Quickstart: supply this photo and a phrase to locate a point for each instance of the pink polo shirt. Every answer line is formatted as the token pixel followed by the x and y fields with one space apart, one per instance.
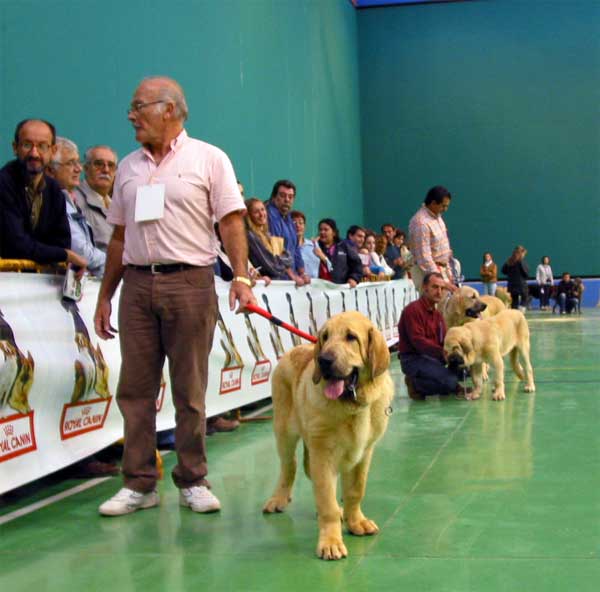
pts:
pixel 200 187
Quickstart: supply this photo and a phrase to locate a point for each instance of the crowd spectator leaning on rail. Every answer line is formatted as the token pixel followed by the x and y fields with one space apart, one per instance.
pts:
pixel 266 253
pixel 489 274
pixel 428 238
pixel 33 218
pixel 545 281
pixel 567 294
pixel 392 253
pixel 376 263
pixel 65 168
pixel 342 264
pixel 311 253
pixel 355 236
pixel 517 271
pixel 168 306
pixel 93 193
pixel 279 207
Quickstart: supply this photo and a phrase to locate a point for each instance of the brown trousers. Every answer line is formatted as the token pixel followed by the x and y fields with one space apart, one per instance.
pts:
pixel 167 315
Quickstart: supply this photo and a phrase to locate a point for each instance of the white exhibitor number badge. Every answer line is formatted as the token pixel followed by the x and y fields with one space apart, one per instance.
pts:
pixel 149 202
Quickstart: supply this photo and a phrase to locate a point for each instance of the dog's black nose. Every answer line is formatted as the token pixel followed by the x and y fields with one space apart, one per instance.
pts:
pixel 325 363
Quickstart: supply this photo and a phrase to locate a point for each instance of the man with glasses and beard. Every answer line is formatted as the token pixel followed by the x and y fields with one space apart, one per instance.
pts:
pixel 33 223
pixel 93 194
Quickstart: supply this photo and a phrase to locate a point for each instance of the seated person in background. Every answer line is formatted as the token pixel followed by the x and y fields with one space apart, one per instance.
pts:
pixel 355 237
pixel 392 252
pixel 65 168
pixel 265 253
pixel 376 261
pixel 309 248
pixel 280 224
pixel 405 255
pixel 33 221
pixel 566 297
pixel 579 288
pixel 342 264
pixel 93 193
pixel 421 347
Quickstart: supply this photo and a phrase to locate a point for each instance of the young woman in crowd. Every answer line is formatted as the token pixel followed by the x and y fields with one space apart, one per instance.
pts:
pixel 342 264
pixel 311 254
pixel 544 279
pixel 517 271
pixel 264 251
pixel 375 248
pixel 489 274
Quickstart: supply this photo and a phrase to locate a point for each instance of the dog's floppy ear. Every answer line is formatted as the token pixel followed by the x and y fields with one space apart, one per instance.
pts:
pixel 317 351
pixel 378 353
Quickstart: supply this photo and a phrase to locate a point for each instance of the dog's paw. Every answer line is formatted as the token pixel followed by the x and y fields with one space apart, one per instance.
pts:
pixel 331 548
pixel 276 504
pixel 499 395
pixel 362 527
pixel 530 388
pixel 473 396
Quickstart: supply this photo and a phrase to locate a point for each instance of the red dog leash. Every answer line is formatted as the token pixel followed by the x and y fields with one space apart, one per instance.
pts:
pixel 267 315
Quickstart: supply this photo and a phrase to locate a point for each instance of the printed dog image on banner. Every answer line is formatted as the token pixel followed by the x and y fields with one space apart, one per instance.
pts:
pixel 295 339
pixel 91 398
pixel 311 316
pixel 274 333
pixel 16 372
pixel 231 373
pixel 262 368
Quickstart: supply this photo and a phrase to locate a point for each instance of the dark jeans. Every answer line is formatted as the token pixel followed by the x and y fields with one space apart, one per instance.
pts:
pixel 545 290
pixel 519 297
pixel 428 374
pixel 566 304
pixel 173 316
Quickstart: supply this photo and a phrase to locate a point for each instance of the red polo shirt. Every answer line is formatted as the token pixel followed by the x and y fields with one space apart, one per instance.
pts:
pixel 422 330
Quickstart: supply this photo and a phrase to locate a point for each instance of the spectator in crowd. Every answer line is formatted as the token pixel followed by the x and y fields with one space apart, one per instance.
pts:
pixel 33 218
pixel 489 274
pixel 428 238
pixel 279 207
pixel 93 193
pixel 456 268
pixel 311 253
pixel 566 294
pixel 342 263
pixel 421 343
pixel 517 272
pixel 356 236
pixel 65 168
pixel 579 289
pixel 264 253
pixel 375 246
pixel 545 281
pixel 392 252
pixel 168 305
pixel 400 244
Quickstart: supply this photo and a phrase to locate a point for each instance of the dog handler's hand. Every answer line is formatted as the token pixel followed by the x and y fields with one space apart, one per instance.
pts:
pixel 242 293
pixel 102 325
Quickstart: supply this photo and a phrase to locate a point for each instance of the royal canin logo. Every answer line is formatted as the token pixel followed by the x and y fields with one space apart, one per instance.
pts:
pixel 9 430
pixel 86 410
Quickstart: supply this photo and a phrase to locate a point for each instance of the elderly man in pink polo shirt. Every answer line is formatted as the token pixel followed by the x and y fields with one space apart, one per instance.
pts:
pixel 166 197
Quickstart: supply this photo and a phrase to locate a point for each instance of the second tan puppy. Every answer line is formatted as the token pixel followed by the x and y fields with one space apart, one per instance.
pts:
pixel 333 395
pixel 465 305
pixel 488 340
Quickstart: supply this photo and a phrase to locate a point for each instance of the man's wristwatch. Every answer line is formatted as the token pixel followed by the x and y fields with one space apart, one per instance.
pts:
pixel 243 280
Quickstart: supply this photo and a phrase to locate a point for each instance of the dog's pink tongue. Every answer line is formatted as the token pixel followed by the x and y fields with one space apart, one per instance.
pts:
pixel 334 388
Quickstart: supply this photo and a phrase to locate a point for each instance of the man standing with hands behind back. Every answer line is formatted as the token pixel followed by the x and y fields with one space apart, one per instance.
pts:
pixel 163 247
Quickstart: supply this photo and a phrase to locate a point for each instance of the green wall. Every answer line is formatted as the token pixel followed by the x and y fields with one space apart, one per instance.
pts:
pixel 273 83
pixel 499 101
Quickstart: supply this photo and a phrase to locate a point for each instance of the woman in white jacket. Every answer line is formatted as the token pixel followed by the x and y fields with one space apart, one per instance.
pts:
pixel 544 279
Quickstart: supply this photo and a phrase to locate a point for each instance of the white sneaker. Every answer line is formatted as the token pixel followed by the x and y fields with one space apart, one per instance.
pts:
pixel 127 501
pixel 199 498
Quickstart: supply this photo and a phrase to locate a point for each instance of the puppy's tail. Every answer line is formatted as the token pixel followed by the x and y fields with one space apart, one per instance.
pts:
pixel 306 462
pixel 514 362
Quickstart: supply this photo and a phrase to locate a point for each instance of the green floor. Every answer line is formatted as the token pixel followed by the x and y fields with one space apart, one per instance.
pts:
pixel 479 496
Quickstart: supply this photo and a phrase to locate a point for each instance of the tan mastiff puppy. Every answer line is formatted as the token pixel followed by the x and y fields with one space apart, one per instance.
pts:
pixel 333 395
pixel 487 341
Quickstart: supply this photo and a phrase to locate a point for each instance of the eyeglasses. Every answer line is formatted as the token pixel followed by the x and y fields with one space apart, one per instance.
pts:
pixel 42 147
pixel 73 164
pixel 100 164
pixel 136 107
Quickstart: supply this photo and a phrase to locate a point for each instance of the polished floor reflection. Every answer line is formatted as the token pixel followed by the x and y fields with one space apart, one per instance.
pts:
pixel 481 496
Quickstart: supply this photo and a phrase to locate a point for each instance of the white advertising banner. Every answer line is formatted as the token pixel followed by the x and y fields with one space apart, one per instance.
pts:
pixel 58 379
